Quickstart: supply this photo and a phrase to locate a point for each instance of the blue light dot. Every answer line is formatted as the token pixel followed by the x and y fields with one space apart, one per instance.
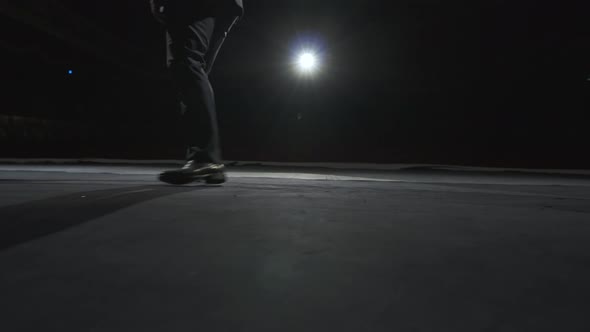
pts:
pixel 70 72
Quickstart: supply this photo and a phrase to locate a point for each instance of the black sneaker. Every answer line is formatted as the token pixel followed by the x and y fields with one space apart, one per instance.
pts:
pixel 192 171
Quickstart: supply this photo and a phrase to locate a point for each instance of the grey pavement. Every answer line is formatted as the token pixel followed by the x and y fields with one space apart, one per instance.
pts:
pixel 108 248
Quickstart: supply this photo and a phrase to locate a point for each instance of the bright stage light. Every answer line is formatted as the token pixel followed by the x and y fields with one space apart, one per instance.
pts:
pixel 307 62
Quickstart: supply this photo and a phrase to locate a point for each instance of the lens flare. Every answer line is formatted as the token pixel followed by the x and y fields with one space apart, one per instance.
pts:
pixel 307 62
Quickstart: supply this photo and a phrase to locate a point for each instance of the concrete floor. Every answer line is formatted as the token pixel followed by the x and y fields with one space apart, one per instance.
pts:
pixel 107 248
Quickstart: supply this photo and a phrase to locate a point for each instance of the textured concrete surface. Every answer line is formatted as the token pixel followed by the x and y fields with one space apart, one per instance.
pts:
pixel 97 248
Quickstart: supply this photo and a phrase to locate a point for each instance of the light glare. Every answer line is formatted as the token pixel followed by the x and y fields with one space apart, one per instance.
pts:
pixel 307 62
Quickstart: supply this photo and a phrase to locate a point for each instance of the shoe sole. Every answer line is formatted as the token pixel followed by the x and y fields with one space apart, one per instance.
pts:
pixel 182 180
pixel 218 178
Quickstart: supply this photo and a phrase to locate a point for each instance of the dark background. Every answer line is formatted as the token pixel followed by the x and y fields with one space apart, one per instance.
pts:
pixel 497 83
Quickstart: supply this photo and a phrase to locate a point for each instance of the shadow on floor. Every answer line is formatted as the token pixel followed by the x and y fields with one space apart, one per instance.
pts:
pixel 31 220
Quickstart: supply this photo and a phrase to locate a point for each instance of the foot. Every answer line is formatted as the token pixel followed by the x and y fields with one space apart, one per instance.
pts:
pixel 192 171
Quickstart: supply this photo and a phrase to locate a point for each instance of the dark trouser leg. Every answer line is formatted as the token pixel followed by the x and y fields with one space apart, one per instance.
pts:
pixel 188 45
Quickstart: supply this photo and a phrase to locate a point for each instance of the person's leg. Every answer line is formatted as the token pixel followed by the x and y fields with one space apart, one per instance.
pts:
pixel 188 45
pixel 223 26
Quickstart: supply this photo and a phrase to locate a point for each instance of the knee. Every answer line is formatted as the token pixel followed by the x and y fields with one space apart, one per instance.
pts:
pixel 186 67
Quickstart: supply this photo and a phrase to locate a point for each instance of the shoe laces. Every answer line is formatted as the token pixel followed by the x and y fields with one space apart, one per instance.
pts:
pixel 188 165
